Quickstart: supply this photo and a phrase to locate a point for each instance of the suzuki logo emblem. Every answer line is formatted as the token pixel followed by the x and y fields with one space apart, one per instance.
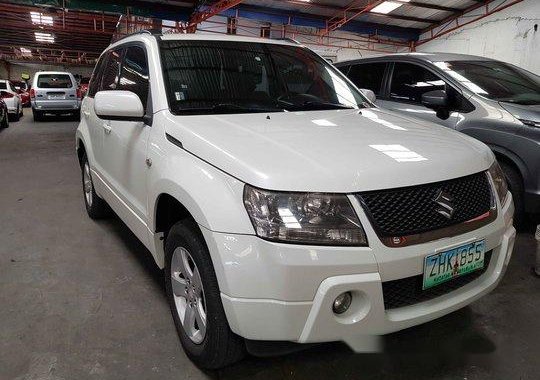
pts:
pixel 444 200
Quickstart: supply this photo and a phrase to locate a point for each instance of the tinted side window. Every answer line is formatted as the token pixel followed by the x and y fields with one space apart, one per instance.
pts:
pixel 368 75
pixel 410 81
pixel 95 80
pixel 134 76
pixel 344 69
pixel 111 71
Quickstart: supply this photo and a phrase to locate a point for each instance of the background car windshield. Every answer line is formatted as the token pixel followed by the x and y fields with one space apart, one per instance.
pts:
pixel 54 81
pixel 235 77
pixel 497 80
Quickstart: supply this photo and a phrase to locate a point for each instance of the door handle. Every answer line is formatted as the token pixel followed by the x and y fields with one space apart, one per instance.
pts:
pixel 107 127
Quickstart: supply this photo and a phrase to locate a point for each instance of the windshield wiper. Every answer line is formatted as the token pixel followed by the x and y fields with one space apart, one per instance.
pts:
pixel 312 105
pixel 228 108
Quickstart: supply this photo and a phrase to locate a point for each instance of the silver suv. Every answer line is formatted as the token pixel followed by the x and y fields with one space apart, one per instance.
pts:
pixel 56 93
pixel 493 101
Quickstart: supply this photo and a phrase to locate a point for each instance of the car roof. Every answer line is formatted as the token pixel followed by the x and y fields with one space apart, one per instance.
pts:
pixel 425 57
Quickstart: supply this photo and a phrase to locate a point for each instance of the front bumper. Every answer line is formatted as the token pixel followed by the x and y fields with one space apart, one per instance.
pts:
pixel 284 292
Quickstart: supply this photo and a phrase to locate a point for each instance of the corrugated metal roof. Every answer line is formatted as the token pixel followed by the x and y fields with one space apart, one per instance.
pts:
pixel 409 15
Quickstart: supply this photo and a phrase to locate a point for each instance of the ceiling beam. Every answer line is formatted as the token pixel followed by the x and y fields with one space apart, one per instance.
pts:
pixel 432 6
pixel 352 11
pixel 208 11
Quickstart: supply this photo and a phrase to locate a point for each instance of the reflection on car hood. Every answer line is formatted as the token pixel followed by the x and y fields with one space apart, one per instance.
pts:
pixel 523 112
pixel 330 151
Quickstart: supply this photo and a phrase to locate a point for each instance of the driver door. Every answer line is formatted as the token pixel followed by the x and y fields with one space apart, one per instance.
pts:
pixel 408 82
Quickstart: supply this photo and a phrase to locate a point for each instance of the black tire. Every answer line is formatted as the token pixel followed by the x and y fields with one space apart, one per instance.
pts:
pixel 38 115
pixel 515 185
pixel 21 112
pixel 97 208
pixel 220 346
pixel 16 116
pixel 5 122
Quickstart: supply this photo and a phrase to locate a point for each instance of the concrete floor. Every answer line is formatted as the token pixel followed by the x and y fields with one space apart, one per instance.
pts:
pixel 83 300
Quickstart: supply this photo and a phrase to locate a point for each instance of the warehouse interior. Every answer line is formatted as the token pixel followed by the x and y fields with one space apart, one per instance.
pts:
pixel 84 298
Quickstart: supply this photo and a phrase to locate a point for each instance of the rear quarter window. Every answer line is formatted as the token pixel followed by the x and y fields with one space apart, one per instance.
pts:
pixel 3 86
pixel 54 81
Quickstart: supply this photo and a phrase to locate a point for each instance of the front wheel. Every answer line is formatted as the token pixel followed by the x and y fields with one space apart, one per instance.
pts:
pixel 515 185
pixel 17 115
pixel 195 301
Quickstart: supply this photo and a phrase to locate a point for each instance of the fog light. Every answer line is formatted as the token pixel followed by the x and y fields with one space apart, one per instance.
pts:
pixel 342 303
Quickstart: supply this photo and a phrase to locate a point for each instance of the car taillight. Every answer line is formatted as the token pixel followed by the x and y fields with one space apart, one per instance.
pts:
pixel 6 95
pixel 79 94
pixel 32 93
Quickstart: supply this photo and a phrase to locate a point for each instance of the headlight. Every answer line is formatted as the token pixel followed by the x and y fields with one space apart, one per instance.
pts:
pixel 499 181
pixel 308 218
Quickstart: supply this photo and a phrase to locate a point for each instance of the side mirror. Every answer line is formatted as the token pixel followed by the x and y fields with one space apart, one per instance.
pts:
pixel 370 95
pixel 435 99
pixel 118 105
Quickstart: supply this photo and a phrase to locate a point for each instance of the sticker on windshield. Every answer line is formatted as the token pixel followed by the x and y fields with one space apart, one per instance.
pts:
pixel 179 95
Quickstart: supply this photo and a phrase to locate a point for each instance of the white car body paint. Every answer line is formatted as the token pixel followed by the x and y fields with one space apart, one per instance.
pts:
pixel 276 291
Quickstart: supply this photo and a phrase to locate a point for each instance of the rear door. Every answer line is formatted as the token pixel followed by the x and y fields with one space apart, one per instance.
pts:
pixel 407 83
pixel 124 142
pixel 95 128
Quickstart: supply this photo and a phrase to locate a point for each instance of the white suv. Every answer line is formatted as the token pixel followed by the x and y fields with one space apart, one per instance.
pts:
pixel 281 203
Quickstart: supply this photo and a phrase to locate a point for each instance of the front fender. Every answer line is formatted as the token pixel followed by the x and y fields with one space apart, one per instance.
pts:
pixel 212 197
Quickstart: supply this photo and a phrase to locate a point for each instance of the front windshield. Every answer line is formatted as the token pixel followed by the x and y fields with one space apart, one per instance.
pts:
pixel 496 80
pixel 243 77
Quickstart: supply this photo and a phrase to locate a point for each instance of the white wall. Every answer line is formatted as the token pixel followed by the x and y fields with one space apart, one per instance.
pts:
pixel 507 35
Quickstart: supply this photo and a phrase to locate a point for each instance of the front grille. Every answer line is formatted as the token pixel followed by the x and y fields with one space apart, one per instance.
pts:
pixel 408 291
pixel 413 210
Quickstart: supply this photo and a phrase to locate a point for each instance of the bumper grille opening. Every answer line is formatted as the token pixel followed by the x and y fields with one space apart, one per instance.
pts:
pixel 408 291
pixel 415 210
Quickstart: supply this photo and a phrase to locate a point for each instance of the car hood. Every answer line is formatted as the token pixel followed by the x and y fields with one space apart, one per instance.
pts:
pixel 523 112
pixel 329 151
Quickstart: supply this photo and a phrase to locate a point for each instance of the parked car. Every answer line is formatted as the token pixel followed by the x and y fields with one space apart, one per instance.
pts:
pixel 56 93
pixel 495 102
pixel 23 90
pixel 4 116
pixel 281 203
pixel 83 85
pixel 12 99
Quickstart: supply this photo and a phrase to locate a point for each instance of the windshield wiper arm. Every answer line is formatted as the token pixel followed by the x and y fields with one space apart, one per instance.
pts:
pixel 229 107
pixel 314 104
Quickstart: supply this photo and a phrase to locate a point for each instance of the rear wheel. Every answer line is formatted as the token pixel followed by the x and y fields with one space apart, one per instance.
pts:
pixel 195 300
pixel 38 115
pixel 17 115
pixel 96 207
pixel 515 185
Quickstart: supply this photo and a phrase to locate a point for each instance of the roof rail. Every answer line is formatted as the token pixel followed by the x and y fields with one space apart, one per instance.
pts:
pixel 288 40
pixel 152 32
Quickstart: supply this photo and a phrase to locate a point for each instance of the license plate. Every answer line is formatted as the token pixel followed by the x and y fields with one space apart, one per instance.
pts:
pixel 446 265
pixel 57 97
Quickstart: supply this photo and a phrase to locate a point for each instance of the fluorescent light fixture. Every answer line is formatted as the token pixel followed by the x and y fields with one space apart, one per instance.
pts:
pixel 39 18
pixel 44 37
pixel 388 6
pixel 26 52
